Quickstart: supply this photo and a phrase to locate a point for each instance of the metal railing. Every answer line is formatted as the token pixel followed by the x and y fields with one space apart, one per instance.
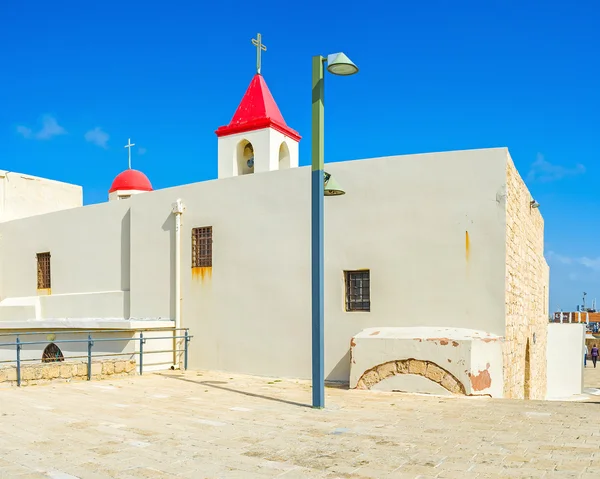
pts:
pixel 91 340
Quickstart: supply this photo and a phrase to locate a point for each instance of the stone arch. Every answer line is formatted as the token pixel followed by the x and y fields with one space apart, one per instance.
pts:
pixel 244 158
pixel 52 354
pixel 284 156
pixel 427 369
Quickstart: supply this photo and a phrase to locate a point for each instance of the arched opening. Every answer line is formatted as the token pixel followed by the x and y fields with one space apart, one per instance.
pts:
pixel 527 379
pixel 284 156
pixel 245 158
pixel 52 354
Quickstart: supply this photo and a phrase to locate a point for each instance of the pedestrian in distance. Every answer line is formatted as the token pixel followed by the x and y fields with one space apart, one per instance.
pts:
pixel 594 354
pixel 585 355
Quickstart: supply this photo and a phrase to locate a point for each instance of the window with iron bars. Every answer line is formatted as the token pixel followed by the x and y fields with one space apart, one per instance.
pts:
pixel 358 290
pixel 43 271
pixel 202 247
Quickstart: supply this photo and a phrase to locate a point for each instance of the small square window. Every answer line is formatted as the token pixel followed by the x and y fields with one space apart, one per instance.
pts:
pixel 358 290
pixel 43 271
pixel 202 247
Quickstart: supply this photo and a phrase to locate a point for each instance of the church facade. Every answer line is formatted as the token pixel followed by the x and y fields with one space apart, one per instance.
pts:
pixel 440 254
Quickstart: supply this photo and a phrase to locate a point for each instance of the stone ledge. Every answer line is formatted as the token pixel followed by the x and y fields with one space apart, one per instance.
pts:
pixel 44 373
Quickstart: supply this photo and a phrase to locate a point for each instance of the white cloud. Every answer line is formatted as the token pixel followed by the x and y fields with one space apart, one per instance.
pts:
pixel 591 263
pixel 26 132
pixel 98 137
pixel 141 151
pixel 50 128
pixel 544 171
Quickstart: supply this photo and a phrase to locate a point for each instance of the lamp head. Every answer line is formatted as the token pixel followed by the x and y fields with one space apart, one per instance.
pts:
pixel 340 64
pixel 534 204
pixel 332 188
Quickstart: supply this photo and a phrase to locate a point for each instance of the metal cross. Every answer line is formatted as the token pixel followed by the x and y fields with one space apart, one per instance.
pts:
pixel 128 146
pixel 257 42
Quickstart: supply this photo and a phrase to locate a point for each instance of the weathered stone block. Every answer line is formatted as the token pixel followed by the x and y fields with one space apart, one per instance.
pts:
pixel 82 369
pixel 402 367
pixel 386 370
pixel 108 368
pixel 11 374
pixel 451 384
pixel 369 379
pixel 66 371
pixel 417 367
pixel 96 369
pixel 435 373
pixel 27 373
pixel 119 367
pixel 129 366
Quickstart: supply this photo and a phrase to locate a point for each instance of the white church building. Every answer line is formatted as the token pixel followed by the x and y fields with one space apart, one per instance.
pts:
pixel 435 279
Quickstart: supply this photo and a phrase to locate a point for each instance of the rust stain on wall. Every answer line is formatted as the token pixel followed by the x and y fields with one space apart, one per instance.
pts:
pixel 454 343
pixel 482 380
pixel 467 245
pixel 201 273
pixel 352 343
pixel 374 333
pixel 443 341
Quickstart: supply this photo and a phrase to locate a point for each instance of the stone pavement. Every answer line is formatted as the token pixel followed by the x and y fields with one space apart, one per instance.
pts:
pixel 212 425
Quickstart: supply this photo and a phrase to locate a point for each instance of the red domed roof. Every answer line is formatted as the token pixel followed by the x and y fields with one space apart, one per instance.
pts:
pixel 131 180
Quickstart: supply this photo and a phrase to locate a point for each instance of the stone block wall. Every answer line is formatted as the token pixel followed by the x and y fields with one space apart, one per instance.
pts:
pixel 43 373
pixel 527 287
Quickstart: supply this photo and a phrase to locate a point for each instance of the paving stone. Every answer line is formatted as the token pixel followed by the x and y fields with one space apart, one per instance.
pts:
pixel 245 427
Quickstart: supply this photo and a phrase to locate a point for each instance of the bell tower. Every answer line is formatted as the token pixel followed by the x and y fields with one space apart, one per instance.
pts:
pixel 257 138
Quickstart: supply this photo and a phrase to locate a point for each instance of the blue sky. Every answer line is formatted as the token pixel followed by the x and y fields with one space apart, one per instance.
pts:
pixel 79 78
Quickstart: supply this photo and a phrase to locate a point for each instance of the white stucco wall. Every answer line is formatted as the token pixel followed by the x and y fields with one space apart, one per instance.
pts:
pixel 89 249
pixel 252 312
pixel 24 195
pixel 405 218
pixel 565 360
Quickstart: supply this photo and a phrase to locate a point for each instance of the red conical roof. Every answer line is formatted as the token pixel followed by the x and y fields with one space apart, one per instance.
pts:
pixel 257 110
pixel 131 180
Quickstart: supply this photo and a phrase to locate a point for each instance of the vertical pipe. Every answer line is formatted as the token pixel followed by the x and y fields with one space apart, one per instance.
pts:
pixel 185 358
pixel 141 353
pixel 318 340
pixel 177 211
pixel 89 364
pixel 18 361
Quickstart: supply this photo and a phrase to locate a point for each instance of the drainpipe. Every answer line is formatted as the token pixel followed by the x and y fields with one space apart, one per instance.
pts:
pixel 178 209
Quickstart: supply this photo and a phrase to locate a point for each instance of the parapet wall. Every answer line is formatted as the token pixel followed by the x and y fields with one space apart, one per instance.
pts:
pixel 67 371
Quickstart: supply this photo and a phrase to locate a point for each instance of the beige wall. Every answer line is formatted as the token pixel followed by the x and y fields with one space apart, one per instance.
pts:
pixel 406 218
pixel 89 249
pixel 431 228
pixel 25 195
pixel 527 285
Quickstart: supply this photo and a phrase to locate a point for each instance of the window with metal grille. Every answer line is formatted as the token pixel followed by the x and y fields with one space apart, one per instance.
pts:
pixel 358 290
pixel 202 247
pixel 52 354
pixel 43 271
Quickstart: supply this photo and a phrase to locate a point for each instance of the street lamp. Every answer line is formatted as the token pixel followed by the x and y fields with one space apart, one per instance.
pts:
pixel 322 185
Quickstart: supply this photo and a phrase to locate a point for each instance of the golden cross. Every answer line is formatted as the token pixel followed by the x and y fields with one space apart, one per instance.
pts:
pixel 257 42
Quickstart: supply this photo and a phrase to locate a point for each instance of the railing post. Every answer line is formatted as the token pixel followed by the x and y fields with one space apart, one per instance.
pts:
pixel 89 364
pixel 185 354
pixel 142 341
pixel 18 342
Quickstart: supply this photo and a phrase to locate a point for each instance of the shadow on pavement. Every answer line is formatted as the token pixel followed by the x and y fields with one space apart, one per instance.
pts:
pixel 217 385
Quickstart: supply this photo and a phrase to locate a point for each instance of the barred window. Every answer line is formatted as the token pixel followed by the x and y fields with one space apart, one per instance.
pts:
pixel 43 271
pixel 202 247
pixel 52 354
pixel 358 290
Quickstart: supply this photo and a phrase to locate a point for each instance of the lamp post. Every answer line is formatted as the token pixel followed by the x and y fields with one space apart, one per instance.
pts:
pixel 322 185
